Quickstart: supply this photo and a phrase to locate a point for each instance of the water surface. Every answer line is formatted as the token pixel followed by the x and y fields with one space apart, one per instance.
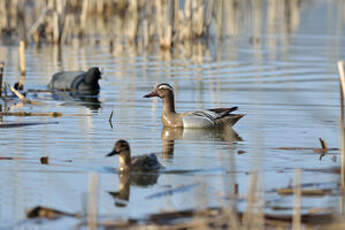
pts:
pixel 285 82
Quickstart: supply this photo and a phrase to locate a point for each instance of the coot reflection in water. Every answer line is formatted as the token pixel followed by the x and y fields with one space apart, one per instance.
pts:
pixel 88 100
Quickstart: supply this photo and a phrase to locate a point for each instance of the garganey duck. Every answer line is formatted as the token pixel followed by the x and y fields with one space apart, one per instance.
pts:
pixel 143 163
pixel 207 118
pixel 80 81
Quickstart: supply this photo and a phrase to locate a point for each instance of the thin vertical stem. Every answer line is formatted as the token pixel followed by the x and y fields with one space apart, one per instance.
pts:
pixel 2 64
pixel 342 89
pixel 341 123
pixel 251 199
pixel 92 205
pixel 296 219
pixel 22 57
pixel 22 64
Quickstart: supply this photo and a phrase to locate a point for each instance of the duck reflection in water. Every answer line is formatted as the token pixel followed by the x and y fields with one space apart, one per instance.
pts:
pixel 126 180
pixel 139 170
pixel 169 135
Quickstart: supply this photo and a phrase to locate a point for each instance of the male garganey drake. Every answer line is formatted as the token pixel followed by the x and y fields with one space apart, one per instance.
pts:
pixel 207 118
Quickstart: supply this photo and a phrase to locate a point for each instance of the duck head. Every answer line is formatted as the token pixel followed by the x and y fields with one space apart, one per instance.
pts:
pixel 162 90
pixel 93 75
pixel 121 148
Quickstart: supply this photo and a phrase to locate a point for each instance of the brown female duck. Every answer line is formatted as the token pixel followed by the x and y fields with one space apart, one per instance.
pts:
pixel 143 163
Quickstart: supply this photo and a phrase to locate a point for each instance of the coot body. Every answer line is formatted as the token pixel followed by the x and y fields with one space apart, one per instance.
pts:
pixel 80 81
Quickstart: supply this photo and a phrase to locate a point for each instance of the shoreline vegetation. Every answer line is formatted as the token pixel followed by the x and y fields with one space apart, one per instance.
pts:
pixel 143 23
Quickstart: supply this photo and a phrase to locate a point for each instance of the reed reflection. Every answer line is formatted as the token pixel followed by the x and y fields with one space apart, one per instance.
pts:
pixel 126 179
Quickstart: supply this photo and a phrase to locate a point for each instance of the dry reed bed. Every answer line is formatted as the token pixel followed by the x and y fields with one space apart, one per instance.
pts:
pixel 142 22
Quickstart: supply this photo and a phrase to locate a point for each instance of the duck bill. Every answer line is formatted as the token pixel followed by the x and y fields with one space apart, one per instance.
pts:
pixel 112 153
pixel 152 94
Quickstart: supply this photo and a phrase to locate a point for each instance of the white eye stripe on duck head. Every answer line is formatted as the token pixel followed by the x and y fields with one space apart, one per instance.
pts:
pixel 165 86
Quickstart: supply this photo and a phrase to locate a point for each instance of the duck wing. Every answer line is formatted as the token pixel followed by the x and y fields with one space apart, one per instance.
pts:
pixel 199 119
pixel 145 163
pixel 217 117
pixel 224 111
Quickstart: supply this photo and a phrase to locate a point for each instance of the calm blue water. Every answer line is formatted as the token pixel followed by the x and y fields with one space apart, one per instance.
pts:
pixel 285 83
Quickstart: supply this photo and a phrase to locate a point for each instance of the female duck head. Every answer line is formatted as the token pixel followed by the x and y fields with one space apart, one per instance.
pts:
pixel 162 90
pixel 121 148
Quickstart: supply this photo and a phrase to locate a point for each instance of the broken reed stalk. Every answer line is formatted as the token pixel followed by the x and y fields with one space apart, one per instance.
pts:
pixel 22 64
pixel 341 123
pixel 110 118
pixel 323 143
pixel 2 64
pixel 92 204
pixel 22 97
pixel 18 94
pixel 296 219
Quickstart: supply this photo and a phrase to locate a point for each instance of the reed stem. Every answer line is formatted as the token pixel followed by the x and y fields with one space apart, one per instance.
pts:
pixel 296 219
pixel 2 64
pixel 92 205
pixel 341 123
pixel 22 64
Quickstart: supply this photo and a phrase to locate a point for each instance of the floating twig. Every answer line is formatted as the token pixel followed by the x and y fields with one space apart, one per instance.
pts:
pixel 51 114
pixel 39 90
pixel 20 124
pixel 11 158
pixel 27 114
pixel 304 192
pixel 110 118
pixel 48 213
pixel 324 148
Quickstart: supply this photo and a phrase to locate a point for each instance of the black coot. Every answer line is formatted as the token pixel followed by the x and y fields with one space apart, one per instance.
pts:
pixel 80 81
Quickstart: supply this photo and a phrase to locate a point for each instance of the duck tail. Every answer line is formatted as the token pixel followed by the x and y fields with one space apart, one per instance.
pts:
pixel 231 119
